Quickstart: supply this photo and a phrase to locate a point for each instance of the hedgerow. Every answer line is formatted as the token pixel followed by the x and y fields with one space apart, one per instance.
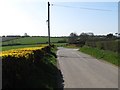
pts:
pixel 104 45
pixel 28 68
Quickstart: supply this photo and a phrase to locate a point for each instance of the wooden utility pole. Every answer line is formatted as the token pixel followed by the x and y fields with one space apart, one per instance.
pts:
pixel 49 23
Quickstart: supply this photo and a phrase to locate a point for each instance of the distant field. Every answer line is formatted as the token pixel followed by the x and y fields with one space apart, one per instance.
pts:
pixel 8 38
pixel 4 48
pixel 30 42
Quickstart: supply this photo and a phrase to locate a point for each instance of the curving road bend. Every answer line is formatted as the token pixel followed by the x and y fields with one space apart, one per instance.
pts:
pixel 83 71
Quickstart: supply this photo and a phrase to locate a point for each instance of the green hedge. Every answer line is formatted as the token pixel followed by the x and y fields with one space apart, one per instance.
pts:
pixel 36 71
pixel 104 45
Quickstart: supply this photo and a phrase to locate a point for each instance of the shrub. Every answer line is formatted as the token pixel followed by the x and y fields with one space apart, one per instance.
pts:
pixel 27 68
pixel 104 45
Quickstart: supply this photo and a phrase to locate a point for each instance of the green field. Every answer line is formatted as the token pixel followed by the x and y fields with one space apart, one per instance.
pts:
pixel 31 42
pixel 4 48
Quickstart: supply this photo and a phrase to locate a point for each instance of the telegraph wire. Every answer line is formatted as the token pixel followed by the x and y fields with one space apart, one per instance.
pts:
pixel 80 7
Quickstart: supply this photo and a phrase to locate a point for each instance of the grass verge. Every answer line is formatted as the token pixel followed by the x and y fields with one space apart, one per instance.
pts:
pixel 108 56
pixel 71 46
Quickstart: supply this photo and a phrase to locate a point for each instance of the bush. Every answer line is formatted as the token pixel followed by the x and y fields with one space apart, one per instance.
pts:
pixel 104 45
pixel 28 68
pixel 62 41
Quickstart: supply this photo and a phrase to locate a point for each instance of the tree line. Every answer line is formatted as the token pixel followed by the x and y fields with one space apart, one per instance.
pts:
pixel 81 39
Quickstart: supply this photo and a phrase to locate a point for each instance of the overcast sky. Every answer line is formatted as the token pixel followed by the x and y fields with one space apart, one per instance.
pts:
pixel 22 16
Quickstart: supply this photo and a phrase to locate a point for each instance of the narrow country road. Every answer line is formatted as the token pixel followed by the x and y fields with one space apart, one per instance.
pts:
pixel 83 71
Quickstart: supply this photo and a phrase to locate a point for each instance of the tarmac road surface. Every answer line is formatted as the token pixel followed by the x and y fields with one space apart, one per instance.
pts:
pixel 83 71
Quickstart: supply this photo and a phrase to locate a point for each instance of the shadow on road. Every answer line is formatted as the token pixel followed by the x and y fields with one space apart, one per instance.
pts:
pixel 60 81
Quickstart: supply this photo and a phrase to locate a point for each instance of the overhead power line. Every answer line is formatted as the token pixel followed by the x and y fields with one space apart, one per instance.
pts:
pixel 80 7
